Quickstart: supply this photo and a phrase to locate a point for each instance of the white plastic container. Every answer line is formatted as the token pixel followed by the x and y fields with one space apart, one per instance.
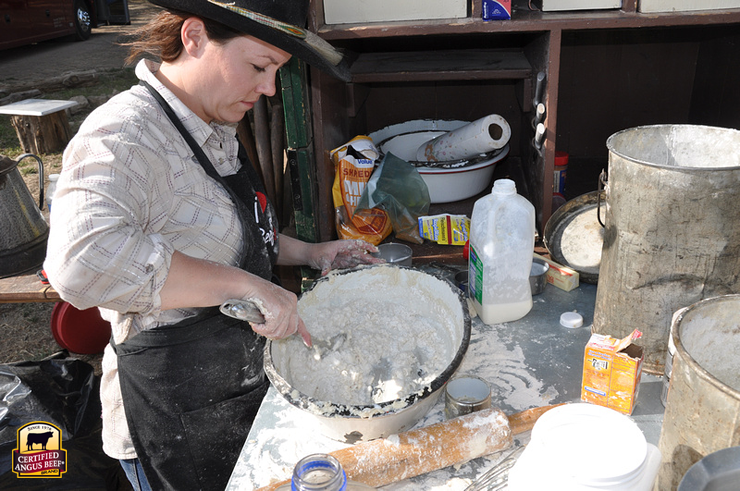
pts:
pixel 362 11
pixel 51 189
pixel 585 447
pixel 502 231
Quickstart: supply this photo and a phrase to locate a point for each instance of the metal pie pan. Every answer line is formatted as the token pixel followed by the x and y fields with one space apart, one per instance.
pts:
pixel 574 237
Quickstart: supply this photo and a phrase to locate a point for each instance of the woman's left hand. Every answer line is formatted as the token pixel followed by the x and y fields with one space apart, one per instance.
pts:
pixel 343 254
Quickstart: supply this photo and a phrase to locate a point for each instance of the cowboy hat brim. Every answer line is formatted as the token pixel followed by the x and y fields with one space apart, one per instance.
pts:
pixel 272 22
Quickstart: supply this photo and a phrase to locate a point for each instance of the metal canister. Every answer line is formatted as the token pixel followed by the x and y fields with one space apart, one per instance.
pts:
pixel 704 397
pixel 465 395
pixel 672 229
pixel 560 173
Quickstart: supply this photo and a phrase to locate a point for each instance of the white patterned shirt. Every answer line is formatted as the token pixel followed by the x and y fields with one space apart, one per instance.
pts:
pixel 131 193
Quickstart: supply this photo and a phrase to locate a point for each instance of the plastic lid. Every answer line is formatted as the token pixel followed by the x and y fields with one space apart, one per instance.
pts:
pixel 568 443
pixel 561 159
pixel 53 177
pixel 504 186
pixel 571 320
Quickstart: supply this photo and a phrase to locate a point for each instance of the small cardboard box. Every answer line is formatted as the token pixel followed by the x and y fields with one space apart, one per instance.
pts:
pixel 612 369
pixel 496 9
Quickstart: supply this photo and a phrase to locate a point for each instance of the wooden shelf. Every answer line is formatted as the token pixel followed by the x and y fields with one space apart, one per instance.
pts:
pixel 441 65
pixel 604 70
pixel 529 21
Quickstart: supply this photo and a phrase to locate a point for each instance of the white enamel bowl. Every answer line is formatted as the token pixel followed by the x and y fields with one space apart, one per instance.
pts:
pixel 453 181
pixel 352 423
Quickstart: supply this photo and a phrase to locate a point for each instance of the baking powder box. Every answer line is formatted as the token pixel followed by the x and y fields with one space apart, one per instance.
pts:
pixel 612 369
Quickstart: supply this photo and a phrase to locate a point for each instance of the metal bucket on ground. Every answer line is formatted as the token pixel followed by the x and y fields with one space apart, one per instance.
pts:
pixel 24 230
pixel 672 233
pixel 703 408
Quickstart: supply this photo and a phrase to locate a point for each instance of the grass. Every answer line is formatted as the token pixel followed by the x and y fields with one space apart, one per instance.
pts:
pixel 108 83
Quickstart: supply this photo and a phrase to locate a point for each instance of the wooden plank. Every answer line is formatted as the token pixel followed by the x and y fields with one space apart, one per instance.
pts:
pixel 293 86
pixel 262 140
pixel 304 194
pixel 26 288
pixel 277 147
pixel 469 64
pixel 530 21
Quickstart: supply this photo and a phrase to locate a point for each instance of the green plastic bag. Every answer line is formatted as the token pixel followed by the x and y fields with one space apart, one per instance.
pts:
pixel 397 188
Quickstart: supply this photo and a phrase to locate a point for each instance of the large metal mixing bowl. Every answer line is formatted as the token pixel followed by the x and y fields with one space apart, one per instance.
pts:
pixel 353 423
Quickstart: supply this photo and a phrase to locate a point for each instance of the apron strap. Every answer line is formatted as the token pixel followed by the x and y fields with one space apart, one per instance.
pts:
pixel 202 158
pixel 238 186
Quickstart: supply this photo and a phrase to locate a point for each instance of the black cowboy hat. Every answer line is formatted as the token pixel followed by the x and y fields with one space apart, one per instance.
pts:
pixel 280 23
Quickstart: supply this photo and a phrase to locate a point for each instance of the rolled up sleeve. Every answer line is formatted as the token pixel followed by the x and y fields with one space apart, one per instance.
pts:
pixel 103 247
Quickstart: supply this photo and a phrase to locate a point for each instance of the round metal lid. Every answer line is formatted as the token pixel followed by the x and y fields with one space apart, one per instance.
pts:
pixel 574 237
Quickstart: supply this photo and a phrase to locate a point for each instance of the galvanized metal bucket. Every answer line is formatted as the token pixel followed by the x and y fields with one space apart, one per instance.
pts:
pixel 703 407
pixel 672 229
pixel 23 229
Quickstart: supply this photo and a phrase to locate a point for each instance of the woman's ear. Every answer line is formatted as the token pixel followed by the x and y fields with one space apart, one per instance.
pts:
pixel 193 35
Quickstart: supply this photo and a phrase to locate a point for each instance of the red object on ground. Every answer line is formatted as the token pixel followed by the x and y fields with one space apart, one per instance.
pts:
pixel 79 331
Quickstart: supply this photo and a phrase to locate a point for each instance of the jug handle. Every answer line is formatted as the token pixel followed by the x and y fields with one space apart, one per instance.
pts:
pixel 41 176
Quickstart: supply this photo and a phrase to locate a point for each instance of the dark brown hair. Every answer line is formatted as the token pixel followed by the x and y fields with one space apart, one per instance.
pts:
pixel 160 37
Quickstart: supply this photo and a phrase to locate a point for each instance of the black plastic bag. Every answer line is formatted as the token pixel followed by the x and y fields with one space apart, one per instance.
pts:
pixel 65 392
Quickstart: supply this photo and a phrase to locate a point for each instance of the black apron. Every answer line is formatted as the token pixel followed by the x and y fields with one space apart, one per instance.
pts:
pixel 192 390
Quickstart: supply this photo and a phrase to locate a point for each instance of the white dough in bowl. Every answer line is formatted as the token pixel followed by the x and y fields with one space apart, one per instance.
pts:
pixel 392 331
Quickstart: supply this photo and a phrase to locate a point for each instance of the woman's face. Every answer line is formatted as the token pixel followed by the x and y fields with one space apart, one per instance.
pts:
pixel 234 75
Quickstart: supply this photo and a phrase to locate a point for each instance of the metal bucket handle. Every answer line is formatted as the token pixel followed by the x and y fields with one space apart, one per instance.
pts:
pixel 603 182
pixel 41 176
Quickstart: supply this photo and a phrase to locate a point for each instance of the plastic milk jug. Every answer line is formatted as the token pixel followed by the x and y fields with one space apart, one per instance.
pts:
pixel 51 189
pixel 501 245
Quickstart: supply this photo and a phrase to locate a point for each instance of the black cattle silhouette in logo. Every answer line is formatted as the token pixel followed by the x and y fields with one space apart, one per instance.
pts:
pixel 40 438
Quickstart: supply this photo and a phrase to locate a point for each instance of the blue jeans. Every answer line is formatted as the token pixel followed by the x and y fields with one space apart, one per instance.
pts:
pixel 135 474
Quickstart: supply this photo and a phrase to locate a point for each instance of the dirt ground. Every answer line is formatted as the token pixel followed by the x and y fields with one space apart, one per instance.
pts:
pixel 25 328
pixel 41 61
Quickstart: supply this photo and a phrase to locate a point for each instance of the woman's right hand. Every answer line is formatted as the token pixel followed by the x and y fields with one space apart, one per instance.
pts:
pixel 217 283
pixel 279 307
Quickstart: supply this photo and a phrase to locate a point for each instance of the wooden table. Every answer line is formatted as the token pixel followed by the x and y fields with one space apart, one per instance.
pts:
pixel 528 363
pixel 26 288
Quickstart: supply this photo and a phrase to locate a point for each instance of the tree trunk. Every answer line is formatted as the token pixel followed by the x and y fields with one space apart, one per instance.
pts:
pixel 42 134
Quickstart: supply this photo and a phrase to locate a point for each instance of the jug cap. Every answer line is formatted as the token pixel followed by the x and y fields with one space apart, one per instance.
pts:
pixel 571 320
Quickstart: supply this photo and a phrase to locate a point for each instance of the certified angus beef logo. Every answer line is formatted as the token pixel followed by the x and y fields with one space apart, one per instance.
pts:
pixel 39 452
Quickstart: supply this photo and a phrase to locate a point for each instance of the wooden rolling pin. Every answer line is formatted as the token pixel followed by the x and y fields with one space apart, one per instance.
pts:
pixel 415 452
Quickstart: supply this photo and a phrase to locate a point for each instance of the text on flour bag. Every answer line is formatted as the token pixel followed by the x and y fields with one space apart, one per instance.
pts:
pixel 502 230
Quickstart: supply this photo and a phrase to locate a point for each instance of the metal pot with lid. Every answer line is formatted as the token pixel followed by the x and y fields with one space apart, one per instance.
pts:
pixel 25 232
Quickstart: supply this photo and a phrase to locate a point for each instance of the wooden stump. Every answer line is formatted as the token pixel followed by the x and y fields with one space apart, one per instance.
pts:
pixel 42 134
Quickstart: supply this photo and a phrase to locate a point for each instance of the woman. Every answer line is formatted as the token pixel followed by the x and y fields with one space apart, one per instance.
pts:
pixel 158 219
